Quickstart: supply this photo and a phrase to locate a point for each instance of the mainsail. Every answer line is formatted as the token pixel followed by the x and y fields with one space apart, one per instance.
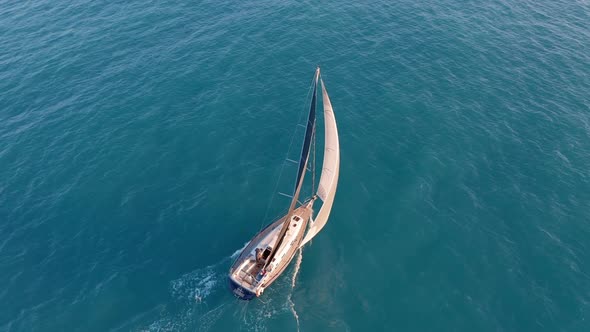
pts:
pixel 302 167
pixel 330 169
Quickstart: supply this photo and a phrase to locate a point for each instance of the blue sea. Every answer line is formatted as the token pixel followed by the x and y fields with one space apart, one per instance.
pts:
pixel 142 142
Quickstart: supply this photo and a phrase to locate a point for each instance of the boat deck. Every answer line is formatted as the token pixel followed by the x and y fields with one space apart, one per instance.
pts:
pixel 249 272
pixel 246 270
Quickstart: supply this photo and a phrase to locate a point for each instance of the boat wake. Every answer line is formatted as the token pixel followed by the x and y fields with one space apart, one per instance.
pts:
pixel 195 302
pixel 237 252
pixel 293 280
pixel 197 286
pixel 201 300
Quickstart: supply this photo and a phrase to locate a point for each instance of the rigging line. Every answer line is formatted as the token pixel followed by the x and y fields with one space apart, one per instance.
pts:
pixel 301 114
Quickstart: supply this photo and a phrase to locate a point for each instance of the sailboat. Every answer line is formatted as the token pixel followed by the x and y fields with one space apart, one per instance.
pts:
pixel 270 251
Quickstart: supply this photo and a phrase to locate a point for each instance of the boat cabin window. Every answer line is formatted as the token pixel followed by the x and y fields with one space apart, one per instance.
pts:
pixel 296 218
pixel 266 252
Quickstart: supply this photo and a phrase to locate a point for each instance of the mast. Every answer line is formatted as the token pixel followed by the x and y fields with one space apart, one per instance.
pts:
pixel 301 170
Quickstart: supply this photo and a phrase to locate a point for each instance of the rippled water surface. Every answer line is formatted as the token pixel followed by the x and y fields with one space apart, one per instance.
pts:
pixel 141 141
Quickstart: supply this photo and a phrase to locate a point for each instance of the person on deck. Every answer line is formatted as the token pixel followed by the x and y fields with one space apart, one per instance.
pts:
pixel 258 255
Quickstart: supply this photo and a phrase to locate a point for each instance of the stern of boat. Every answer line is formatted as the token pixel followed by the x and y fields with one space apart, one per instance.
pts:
pixel 239 291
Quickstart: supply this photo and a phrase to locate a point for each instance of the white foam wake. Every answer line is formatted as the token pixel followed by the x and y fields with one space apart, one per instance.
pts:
pixel 297 266
pixel 237 252
pixel 195 285
pixel 293 280
pixel 200 301
pixel 197 290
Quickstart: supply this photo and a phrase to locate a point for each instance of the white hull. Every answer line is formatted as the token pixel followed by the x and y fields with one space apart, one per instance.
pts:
pixel 247 276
